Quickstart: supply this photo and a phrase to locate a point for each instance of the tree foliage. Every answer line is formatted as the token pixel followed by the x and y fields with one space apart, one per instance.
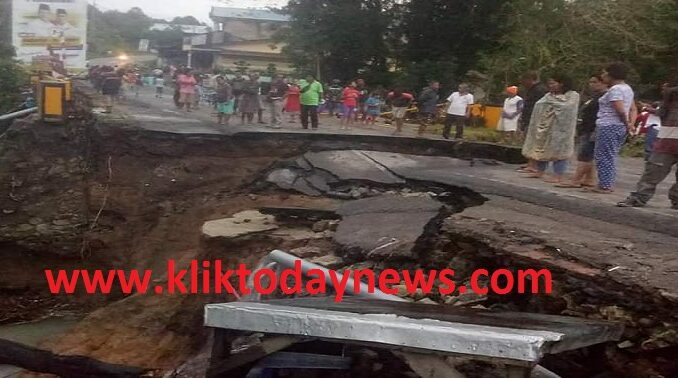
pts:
pixel 12 76
pixel 411 41
pixel 580 37
pixel 186 20
pixel 343 37
pixel 408 42
pixel 442 39
pixel 117 31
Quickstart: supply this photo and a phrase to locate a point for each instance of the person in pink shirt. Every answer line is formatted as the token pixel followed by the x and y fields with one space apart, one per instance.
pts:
pixel 186 83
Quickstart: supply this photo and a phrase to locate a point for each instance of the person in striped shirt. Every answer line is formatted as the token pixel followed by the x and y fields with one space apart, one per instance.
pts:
pixel 664 156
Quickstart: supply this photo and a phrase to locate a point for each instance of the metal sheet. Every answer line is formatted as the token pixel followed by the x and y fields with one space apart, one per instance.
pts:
pixel 388 330
pixel 578 332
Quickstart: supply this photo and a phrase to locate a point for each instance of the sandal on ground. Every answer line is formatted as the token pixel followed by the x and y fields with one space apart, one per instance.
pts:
pixel 534 175
pixel 526 170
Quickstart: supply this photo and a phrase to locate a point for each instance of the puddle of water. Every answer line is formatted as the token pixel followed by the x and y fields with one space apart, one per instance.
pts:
pixel 32 334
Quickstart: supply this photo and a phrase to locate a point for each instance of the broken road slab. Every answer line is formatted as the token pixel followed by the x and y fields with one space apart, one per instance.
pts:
pixel 500 181
pixel 352 165
pixel 387 226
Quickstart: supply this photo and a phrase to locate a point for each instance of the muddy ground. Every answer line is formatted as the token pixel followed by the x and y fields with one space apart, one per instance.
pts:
pixel 103 196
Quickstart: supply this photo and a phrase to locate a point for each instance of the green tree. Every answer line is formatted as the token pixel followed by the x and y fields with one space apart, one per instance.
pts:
pixel 164 38
pixel 13 78
pixel 580 37
pixel 442 39
pixel 344 38
pixel 116 31
pixel 187 20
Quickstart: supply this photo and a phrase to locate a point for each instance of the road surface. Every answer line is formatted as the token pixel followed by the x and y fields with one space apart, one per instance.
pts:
pixel 160 114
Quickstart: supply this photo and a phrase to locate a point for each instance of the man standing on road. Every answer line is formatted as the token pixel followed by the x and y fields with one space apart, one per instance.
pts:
pixel 664 157
pixel 334 98
pixel 428 105
pixel 311 93
pixel 534 91
pixel 361 86
pixel 275 100
pixel 458 111
pixel 238 85
pixel 111 81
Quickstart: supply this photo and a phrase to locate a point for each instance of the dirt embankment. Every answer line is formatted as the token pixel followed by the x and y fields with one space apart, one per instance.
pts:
pixel 95 198
pixel 108 197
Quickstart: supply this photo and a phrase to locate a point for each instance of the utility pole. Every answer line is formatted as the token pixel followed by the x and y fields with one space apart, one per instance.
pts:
pixel 317 67
pixel 93 21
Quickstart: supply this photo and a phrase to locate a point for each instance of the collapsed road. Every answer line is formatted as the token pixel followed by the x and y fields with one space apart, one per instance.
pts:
pixel 107 192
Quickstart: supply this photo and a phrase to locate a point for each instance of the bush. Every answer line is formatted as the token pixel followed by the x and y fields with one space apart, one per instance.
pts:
pixel 13 78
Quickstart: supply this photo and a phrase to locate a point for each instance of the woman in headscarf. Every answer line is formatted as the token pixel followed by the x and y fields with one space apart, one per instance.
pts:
pixel 552 128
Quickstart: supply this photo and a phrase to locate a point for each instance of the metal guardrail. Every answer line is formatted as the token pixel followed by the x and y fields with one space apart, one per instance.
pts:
pixel 20 113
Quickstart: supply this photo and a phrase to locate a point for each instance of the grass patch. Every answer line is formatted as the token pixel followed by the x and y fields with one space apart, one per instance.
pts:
pixel 478 134
pixel 634 147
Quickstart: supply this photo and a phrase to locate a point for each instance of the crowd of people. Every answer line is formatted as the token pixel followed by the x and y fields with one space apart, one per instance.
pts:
pixel 549 117
pixel 554 122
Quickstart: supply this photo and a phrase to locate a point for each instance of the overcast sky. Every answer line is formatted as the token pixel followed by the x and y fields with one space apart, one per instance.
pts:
pixel 169 9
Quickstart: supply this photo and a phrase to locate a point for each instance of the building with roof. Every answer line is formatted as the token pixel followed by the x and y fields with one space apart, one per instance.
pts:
pixel 247 35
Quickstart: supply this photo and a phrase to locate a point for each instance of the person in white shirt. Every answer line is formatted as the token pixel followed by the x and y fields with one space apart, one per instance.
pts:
pixel 458 111
pixel 159 86
pixel 510 115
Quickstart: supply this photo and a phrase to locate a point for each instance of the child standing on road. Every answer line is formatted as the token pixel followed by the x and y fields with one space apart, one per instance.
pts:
pixel 293 101
pixel 350 100
pixel 225 101
pixel 159 86
pixel 373 105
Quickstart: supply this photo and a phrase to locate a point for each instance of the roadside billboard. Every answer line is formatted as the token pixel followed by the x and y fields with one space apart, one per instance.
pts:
pixel 50 28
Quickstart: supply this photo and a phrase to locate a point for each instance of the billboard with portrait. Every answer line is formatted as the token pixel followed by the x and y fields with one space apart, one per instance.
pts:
pixel 50 28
